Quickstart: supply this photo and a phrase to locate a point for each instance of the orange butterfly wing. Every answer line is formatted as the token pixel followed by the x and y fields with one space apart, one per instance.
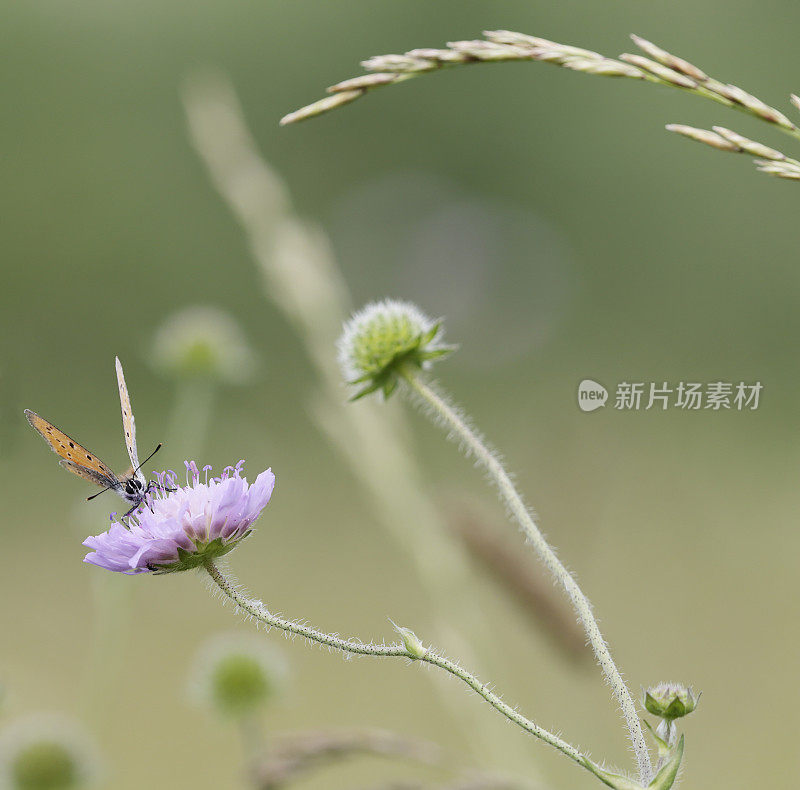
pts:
pixel 75 457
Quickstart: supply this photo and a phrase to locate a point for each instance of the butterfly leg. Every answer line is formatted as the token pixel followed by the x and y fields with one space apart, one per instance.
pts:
pixel 151 485
pixel 133 508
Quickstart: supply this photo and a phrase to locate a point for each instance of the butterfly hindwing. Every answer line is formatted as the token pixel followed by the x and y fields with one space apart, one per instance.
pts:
pixel 74 456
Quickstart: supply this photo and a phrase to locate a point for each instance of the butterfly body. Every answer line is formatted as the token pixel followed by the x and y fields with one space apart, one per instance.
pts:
pixel 132 486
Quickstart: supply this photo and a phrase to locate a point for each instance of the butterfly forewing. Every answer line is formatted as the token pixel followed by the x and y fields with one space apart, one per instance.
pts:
pixel 93 476
pixel 128 423
pixel 75 457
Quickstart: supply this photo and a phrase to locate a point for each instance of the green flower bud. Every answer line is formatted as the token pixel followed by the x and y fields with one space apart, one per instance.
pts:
pixel 670 700
pixel 383 338
pixel 236 674
pixel 45 754
pixel 411 641
pixel 204 342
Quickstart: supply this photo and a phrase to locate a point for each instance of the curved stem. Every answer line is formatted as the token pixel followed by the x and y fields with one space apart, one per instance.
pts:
pixel 256 609
pixel 459 429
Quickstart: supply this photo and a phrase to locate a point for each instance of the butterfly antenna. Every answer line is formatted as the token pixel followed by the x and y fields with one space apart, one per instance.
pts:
pixel 158 447
pixel 108 488
pixel 93 496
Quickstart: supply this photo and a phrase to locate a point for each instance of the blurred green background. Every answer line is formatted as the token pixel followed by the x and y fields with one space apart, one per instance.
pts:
pixel 565 235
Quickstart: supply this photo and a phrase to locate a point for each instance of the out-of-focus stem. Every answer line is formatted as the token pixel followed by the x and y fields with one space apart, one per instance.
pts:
pixel 293 757
pixel 191 414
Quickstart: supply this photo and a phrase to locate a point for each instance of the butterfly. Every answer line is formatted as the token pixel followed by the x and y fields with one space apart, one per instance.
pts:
pixel 132 485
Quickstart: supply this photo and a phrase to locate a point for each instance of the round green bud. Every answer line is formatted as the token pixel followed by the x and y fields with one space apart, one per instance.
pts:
pixel 236 675
pixel 670 700
pixel 383 338
pixel 45 754
pixel 45 765
pixel 204 342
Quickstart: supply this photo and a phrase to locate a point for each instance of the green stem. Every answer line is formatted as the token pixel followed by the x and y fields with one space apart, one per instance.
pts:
pixel 251 731
pixel 191 414
pixel 457 426
pixel 256 609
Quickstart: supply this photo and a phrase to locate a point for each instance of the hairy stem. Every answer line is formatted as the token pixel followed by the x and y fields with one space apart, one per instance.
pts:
pixel 256 609
pixel 458 428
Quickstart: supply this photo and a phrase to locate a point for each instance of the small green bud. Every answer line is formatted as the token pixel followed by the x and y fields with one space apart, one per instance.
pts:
pixel 411 642
pixel 45 754
pixel 237 675
pixel 204 342
pixel 670 700
pixel 383 338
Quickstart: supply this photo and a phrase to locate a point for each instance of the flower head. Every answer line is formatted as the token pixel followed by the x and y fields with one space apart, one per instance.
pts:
pixel 382 338
pixel 236 674
pixel 178 528
pixel 204 342
pixel 670 700
pixel 45 753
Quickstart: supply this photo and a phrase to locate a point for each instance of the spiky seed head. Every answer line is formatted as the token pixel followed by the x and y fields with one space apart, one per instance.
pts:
pixel 382 339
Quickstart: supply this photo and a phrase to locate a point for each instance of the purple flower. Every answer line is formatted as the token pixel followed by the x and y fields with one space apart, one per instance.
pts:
pixel 178 528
